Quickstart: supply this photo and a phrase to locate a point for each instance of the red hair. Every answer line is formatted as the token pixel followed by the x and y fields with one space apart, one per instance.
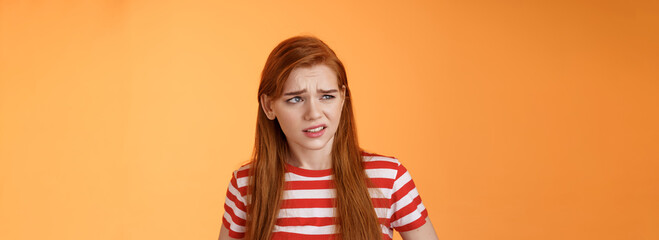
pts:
pixel 355 215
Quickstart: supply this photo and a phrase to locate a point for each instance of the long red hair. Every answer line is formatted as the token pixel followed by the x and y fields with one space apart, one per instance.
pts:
pixel 355 215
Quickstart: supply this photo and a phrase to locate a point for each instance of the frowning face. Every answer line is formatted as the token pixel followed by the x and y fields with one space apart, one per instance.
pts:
pixel 309 109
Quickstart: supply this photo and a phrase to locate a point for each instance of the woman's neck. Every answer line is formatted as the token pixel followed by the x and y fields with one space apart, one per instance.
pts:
pixel 311 159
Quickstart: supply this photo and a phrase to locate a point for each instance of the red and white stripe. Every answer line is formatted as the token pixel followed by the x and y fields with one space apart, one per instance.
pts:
pixel 307 210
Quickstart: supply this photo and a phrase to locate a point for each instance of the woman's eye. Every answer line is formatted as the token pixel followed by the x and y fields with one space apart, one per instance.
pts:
pixel 294 99
pixel 328 96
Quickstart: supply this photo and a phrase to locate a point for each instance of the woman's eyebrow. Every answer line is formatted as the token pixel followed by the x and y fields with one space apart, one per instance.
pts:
pixel 296 92
pixel 327 91
pixel 305 90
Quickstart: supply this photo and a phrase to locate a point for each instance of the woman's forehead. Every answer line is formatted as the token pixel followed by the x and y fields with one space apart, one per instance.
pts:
pixel 318 76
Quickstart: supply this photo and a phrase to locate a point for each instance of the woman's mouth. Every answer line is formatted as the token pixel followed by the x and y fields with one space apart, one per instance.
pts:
pixel 315 129
pixel 315 132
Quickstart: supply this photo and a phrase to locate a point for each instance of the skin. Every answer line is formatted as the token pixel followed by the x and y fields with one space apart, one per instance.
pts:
pixel 320 102
pixel 425 232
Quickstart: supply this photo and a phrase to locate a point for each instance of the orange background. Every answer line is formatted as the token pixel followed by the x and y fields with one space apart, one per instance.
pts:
pixel 517 120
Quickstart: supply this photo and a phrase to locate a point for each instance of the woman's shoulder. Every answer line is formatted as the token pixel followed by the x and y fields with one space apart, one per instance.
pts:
pixel 381 166
pixel 369 157
pixel 242 171
pixel 371 161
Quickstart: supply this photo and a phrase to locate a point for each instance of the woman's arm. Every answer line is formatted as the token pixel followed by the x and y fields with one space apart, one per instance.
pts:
pixel 426 231
pixel 224 234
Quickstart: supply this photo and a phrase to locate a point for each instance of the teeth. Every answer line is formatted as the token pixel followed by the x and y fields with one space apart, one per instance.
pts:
pixel 315 129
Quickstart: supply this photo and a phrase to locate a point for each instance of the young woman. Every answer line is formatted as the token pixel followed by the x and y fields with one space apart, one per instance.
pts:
pixel 308 177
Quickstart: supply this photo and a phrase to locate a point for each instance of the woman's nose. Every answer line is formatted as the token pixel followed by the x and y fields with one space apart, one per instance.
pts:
pixel 313 110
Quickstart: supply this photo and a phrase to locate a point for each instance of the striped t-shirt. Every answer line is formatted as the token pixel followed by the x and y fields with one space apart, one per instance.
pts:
pixel 307 210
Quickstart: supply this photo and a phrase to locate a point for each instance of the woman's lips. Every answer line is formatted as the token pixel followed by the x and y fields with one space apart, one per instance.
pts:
pixel 316 133
pixel 321 125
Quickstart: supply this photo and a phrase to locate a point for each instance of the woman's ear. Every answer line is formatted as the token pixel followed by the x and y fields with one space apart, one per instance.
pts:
pixel 266 104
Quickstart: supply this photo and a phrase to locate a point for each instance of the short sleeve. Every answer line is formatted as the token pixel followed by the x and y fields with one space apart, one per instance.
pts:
pixel 408 210
pixel 234 208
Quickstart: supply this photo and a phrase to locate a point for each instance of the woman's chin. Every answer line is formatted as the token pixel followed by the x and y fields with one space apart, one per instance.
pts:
pixel 314 144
